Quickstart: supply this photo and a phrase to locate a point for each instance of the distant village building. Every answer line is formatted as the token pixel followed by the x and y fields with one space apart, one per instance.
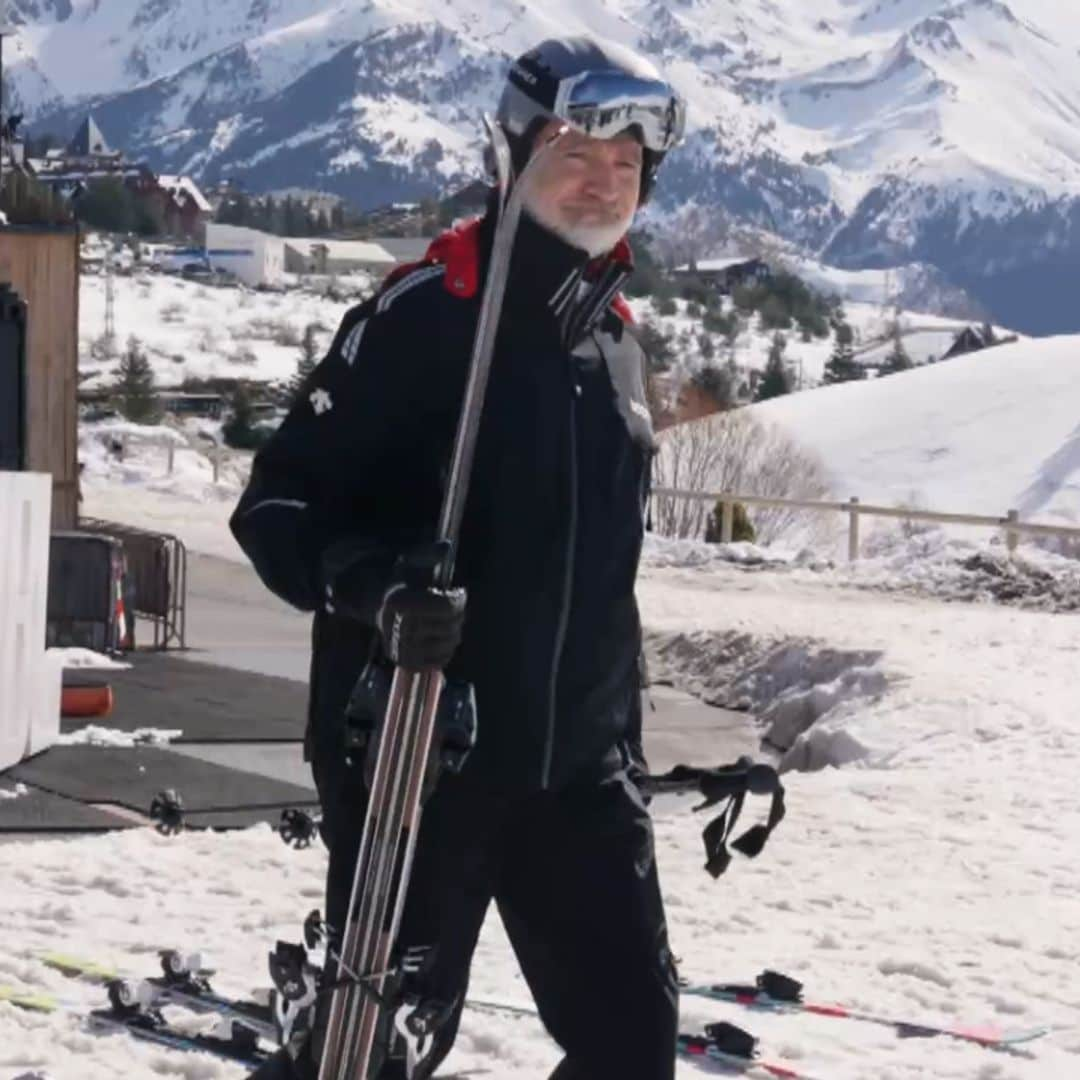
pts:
pixel 182 208
pixel 726 273
pixel 972 339
pixel 256 258
pixel 317 255
pixel 87 157
pixel 185 209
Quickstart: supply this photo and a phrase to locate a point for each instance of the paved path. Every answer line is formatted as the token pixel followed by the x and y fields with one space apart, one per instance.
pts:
pixel 233 620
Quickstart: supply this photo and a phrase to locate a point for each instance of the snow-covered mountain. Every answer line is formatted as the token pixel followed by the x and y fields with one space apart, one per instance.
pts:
pixel 873 132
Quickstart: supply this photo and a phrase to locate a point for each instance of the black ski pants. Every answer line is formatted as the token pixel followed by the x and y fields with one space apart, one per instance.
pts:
pixel 573 875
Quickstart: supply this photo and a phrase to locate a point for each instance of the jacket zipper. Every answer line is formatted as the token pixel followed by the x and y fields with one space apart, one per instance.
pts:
pixel 568 582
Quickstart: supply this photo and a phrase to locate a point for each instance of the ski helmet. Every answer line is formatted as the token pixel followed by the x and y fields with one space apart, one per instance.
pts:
pixel 598 88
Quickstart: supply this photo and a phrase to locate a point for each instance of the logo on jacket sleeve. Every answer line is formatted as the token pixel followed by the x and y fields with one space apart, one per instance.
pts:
pixel 321 401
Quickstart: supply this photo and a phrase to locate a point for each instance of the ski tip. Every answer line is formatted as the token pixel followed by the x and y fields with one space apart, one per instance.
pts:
pixel 77 966
pixel 30 1000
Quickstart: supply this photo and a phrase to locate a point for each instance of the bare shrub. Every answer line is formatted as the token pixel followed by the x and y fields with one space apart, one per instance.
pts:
pixel 734 452
pixel 243 355
pixel 910 527
pixel 172 312
pixel 279 331
pixel 286 334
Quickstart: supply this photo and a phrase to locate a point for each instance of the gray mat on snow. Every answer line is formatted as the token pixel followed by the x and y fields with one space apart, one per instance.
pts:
pixel 208 703
pixel 131 777
pixel 41 811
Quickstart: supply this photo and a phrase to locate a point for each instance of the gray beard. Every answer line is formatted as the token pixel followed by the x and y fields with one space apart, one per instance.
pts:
pixel 594 240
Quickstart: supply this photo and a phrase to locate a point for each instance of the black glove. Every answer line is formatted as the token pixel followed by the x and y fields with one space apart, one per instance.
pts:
pixel 357 571
pixel 421 626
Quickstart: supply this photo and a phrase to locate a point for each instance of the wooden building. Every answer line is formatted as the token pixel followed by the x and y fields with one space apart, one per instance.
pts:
pixel 724 275
pixel 41 264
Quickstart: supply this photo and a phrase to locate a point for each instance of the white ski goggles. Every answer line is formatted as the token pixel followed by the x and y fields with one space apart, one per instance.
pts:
pixel 603 104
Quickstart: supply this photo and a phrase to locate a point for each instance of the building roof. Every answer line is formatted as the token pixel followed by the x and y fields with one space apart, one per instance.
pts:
pixel 719 263
pixel 175 185
pixel 367 251
pixel 403 248
pixel 88 141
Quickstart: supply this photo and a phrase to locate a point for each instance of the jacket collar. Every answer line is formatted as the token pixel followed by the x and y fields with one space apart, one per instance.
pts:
pixel 462 250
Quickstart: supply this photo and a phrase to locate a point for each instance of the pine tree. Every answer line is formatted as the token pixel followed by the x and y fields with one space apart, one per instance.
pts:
pixel 898 359
pixel 239 430
pixel 841 365
pixel 135 386
pixel 715 384
pixel 656 345
pixel 775 381
pixel 293 218
pixel 307 362
pixel 107 204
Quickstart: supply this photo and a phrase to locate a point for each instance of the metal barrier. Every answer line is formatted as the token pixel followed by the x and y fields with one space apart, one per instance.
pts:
pixel 157 578
pixel 86 578
pixel 1013 527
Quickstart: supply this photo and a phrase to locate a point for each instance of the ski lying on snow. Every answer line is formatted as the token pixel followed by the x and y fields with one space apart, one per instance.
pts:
pixel 147 1024
pixel 779 993
pixel 724 1044
pixel 150 1026
pixel 181 986
pixel 709 1048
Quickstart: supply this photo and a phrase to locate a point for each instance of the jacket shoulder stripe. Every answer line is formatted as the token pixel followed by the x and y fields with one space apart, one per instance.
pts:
pixel 351 345
pixel 410 281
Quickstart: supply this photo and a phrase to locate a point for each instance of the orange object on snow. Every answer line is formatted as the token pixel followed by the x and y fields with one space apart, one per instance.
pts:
pixel 95 699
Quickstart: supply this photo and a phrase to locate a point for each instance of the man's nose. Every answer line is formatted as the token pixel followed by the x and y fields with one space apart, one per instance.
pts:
pixel 602 180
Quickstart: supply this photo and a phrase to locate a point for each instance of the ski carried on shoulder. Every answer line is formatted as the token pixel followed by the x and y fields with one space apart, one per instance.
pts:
pixel 775 992
pixel 365 981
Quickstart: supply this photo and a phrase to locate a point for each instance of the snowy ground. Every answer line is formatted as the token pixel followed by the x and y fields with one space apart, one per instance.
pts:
pixel 980 434
pixel 190 330
pixel 931 877
pixel 926 339
pixel 927 864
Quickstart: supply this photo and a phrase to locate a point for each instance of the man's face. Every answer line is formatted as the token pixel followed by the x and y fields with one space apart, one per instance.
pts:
pixel 586 190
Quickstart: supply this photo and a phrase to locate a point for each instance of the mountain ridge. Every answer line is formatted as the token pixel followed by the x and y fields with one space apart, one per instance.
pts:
pixel 942 131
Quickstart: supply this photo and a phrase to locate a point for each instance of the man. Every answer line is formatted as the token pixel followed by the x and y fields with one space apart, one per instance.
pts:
pixel 544 818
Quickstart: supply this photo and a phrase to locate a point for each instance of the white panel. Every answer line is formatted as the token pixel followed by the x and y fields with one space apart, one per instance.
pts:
pixel 45 714
pixel 27 689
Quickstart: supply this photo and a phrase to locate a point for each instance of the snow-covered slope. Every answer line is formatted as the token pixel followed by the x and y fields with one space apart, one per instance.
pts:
pixel 961 753
pixel 941 131
pixel 980 434
pixel 195 331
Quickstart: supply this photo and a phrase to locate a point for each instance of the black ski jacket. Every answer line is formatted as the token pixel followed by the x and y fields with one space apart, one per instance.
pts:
pixel 553 525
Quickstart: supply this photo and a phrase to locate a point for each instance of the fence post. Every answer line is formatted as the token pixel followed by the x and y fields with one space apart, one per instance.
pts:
pixel 215 457
pixel 172 456
pixel 1012 536
pixel 853 530
pixel 727 522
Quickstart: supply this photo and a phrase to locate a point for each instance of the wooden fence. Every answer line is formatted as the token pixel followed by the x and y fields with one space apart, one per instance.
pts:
pixel 1011 524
